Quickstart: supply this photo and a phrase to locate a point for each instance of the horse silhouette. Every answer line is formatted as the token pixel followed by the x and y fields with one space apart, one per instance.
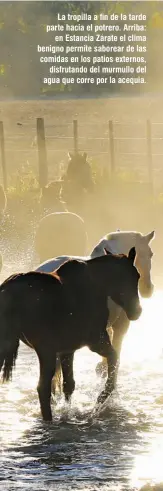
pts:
pixel 64 311
pixel 118 323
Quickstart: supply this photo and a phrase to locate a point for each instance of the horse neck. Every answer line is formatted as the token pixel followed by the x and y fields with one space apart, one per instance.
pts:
pixel 102 274
pixel 120 243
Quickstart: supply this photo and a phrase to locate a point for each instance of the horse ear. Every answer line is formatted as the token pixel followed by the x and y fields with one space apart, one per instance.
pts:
pixel 149 236
pixel 132 254
pixel 107 253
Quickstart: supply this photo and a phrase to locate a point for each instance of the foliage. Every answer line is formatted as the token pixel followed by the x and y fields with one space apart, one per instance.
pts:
pixel 25 182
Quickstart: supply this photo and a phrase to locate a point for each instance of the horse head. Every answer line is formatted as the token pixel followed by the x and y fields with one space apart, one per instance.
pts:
pixel 125 283
pixel 79 170
pixel 121 242
pixel 143 263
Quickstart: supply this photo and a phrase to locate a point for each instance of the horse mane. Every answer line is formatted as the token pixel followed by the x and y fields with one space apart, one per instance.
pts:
pixel 54 274
pixel 119 255
pixel 70 267
pixel 111 255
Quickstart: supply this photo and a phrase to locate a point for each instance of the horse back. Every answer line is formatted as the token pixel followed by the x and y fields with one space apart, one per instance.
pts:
pixel 57 290
pixel 32 281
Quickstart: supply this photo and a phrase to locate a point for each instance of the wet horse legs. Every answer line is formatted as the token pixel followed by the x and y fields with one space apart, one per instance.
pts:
pixel 119 329
pixel 105 349
pixel 67 371
pixel 47 370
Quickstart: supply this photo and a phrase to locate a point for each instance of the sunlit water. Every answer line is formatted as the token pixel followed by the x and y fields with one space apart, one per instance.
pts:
pixel 120 448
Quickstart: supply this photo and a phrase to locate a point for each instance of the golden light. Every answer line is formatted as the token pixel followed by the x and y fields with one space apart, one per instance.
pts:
pixel 148 467
pixel 144 339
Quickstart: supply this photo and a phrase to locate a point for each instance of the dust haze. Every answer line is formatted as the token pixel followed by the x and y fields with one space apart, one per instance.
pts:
pixel 123 200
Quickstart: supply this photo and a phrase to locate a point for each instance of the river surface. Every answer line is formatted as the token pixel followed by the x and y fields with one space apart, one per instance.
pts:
pixel 119 448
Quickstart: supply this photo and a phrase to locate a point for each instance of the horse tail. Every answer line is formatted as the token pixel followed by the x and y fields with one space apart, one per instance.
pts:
pixel 57 379
pixel 8 359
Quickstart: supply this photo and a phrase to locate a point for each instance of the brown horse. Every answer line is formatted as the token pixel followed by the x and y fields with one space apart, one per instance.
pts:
pixel 64 311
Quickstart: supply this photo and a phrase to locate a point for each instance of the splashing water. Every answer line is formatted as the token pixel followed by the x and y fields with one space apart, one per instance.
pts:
pixel 118 448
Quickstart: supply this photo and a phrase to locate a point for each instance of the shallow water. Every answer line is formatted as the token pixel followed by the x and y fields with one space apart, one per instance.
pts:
pixel 119 448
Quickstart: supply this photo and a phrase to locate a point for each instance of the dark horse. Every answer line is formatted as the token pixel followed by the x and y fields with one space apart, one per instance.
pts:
pixel 64 311
pixel 79 172
pixel 77 182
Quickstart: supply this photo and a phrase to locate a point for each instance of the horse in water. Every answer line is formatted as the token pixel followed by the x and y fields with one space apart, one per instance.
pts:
pixel 64 311
pixel 118 243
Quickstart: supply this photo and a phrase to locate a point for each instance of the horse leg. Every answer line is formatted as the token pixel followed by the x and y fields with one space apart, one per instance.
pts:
pixel 120 328
pixel 57 379
pixel 47 370
pixel 102 367
pixel 67 371
pixel 105 349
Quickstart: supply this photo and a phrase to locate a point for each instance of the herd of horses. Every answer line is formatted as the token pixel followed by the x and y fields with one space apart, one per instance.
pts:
pixel 72 300
pixel 64 311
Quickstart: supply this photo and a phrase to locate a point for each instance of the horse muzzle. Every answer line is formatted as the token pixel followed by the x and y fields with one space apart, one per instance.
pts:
pixel 135 313
pixel 146 289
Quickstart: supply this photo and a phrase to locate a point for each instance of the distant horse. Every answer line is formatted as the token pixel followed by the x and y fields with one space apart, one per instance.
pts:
pixel 77 181
pixel 118 242
pixel 61 232
pixel 64 311
pixel 79 172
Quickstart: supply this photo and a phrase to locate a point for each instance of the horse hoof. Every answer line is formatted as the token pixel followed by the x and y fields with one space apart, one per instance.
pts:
pixel 102 398
pixel 104 395
pixel 47 418
pixel 68 399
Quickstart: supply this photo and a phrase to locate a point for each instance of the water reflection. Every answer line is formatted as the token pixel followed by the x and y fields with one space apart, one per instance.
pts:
pixel 148 466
